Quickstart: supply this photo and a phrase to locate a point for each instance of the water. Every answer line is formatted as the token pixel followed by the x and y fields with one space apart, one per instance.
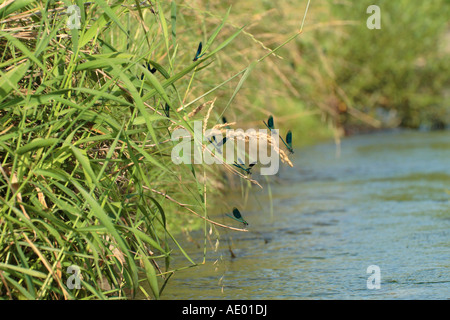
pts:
pixel 385 201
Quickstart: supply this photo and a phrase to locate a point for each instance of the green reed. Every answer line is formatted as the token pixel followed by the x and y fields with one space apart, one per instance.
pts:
pixel 85 119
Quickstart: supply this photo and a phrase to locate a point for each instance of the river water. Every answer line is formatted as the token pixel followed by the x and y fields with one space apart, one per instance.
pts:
pixel 384 201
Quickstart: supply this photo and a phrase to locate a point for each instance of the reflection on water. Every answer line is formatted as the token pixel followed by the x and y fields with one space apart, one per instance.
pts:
pixel 382 202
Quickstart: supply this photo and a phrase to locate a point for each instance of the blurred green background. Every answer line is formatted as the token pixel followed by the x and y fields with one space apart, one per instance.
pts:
pixel 338 76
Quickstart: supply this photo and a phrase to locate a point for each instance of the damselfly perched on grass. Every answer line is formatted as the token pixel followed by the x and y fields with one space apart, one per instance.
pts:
pixel 237 216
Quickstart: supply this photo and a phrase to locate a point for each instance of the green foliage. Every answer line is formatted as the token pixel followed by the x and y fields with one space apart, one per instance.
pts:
pixel 86 175
pixel 338 73
pixel 399 70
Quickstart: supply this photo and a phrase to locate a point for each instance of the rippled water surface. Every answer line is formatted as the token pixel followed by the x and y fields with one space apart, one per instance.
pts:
pixel 384 201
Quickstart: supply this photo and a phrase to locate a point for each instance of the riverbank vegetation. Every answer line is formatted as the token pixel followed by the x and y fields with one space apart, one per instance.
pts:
pixel 89 195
